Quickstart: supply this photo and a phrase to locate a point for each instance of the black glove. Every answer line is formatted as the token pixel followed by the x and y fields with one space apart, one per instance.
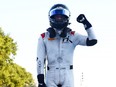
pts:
pixel 40 78
pixel 42 85
pixel 82 19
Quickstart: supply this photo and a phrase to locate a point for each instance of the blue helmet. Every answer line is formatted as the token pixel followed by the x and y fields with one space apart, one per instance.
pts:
pixel 59 16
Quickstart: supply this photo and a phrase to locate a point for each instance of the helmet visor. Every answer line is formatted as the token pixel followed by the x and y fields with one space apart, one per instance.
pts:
pixel 60 11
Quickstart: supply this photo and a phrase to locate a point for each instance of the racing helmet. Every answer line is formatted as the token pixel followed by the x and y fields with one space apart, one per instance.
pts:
pixel 59 16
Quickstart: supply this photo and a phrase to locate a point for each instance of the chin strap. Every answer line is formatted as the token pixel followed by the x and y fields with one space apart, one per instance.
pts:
pixel 53 33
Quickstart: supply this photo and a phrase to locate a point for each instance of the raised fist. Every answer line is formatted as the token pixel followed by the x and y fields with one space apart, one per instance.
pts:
pixel 82 19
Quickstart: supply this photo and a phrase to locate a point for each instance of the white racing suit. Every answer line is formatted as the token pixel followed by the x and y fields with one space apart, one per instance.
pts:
pixel 59 55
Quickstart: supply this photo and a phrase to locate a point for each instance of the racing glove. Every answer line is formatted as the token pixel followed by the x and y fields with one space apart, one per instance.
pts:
pixel 82 19
pixel 40 78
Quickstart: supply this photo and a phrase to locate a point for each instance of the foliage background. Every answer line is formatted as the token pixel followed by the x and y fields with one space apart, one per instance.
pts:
pixel 12 74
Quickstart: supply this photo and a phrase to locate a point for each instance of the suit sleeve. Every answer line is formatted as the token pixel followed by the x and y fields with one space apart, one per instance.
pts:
pixel 91 39
pixel 41 56
pixel 85 40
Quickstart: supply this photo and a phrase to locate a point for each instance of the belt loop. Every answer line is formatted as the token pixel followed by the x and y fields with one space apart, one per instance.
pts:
pixel 71 66
pixel 48 68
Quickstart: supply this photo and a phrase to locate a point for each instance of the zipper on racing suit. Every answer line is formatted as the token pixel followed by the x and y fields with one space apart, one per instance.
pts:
pixel 59 58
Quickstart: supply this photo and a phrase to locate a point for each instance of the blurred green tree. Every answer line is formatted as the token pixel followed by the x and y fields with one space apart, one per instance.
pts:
pixel 11 74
